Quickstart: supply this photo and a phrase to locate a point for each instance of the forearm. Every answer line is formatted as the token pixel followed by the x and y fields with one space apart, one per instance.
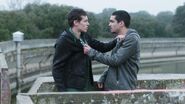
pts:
pixel 121 55
pixel 102 58
pixel 101 46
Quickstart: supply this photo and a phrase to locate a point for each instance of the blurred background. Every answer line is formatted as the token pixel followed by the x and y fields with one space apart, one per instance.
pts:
pixel 45 19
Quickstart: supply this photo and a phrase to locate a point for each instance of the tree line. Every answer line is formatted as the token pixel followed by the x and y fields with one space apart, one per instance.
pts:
pixel 48 21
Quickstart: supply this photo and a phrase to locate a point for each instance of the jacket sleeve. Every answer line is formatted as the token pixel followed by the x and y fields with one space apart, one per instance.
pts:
pixel 127 49
pixel 62 54
pixel 101 46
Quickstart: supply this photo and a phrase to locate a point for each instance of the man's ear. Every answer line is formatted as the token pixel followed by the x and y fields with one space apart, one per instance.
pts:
pixel 75 22
pixel 122 23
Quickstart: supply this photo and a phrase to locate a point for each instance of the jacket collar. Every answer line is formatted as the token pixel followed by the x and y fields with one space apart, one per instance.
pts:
pixel 71 39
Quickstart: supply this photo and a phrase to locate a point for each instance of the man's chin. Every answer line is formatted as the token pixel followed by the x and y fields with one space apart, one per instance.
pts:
pixel 84 31
pixel 113 32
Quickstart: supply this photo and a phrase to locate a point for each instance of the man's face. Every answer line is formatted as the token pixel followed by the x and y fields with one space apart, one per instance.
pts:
pixel 83 24
pixel 114 25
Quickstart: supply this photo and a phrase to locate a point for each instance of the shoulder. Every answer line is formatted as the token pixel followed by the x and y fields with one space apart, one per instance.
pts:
pixel 62 38
pixel 133 35
pixel 86 36
pixel 63 35
pixel 132 38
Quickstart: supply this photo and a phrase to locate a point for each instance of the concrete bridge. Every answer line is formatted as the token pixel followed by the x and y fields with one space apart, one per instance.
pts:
pixel 37 57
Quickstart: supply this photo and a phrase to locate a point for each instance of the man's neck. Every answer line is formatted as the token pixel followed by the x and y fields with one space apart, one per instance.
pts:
pixel 123 31
pixel 76 32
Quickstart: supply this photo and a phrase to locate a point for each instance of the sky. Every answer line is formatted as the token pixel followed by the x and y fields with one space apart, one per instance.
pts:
pixel 96 6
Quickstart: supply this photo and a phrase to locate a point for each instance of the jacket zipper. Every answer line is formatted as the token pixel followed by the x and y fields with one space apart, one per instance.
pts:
pixel 117 79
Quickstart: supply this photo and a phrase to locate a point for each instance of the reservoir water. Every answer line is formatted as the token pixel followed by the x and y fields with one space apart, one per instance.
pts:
pixel 167 67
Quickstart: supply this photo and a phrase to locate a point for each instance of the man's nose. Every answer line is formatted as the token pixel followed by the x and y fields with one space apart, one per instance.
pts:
pixel 109 24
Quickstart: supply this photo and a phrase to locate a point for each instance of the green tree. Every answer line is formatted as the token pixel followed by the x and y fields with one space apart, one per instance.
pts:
pixel 164 20
pixel 12 21
pixel 179 21
pixel 94 28
pixel 50 18
pixel 144 23
pixel 4 34
pixel 103 21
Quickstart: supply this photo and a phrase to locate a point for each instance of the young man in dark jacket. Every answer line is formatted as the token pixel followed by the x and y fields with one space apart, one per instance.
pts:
pixel 71 67
pixel 124 60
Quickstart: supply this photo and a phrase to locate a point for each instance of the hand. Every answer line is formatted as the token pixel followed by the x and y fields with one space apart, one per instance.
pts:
pixel 86 48
pixel 100 85
pixel 121 37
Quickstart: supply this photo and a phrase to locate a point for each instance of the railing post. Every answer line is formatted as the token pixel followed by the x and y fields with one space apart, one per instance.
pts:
pixel 17 38
pixel 5 90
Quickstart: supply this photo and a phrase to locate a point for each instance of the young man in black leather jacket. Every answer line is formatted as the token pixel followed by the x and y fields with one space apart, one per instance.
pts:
pixel 72 69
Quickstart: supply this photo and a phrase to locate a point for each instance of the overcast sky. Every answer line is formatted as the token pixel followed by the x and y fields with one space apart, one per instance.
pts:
pixel 96 6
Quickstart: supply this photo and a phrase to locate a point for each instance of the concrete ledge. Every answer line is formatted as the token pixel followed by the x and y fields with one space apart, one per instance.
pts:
pixel 21 99
pixel 162 96
pixel 152 89
pixel 145 81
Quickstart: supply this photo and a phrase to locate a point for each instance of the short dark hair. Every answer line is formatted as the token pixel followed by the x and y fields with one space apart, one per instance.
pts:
pixel 122 15
pixel 75 14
